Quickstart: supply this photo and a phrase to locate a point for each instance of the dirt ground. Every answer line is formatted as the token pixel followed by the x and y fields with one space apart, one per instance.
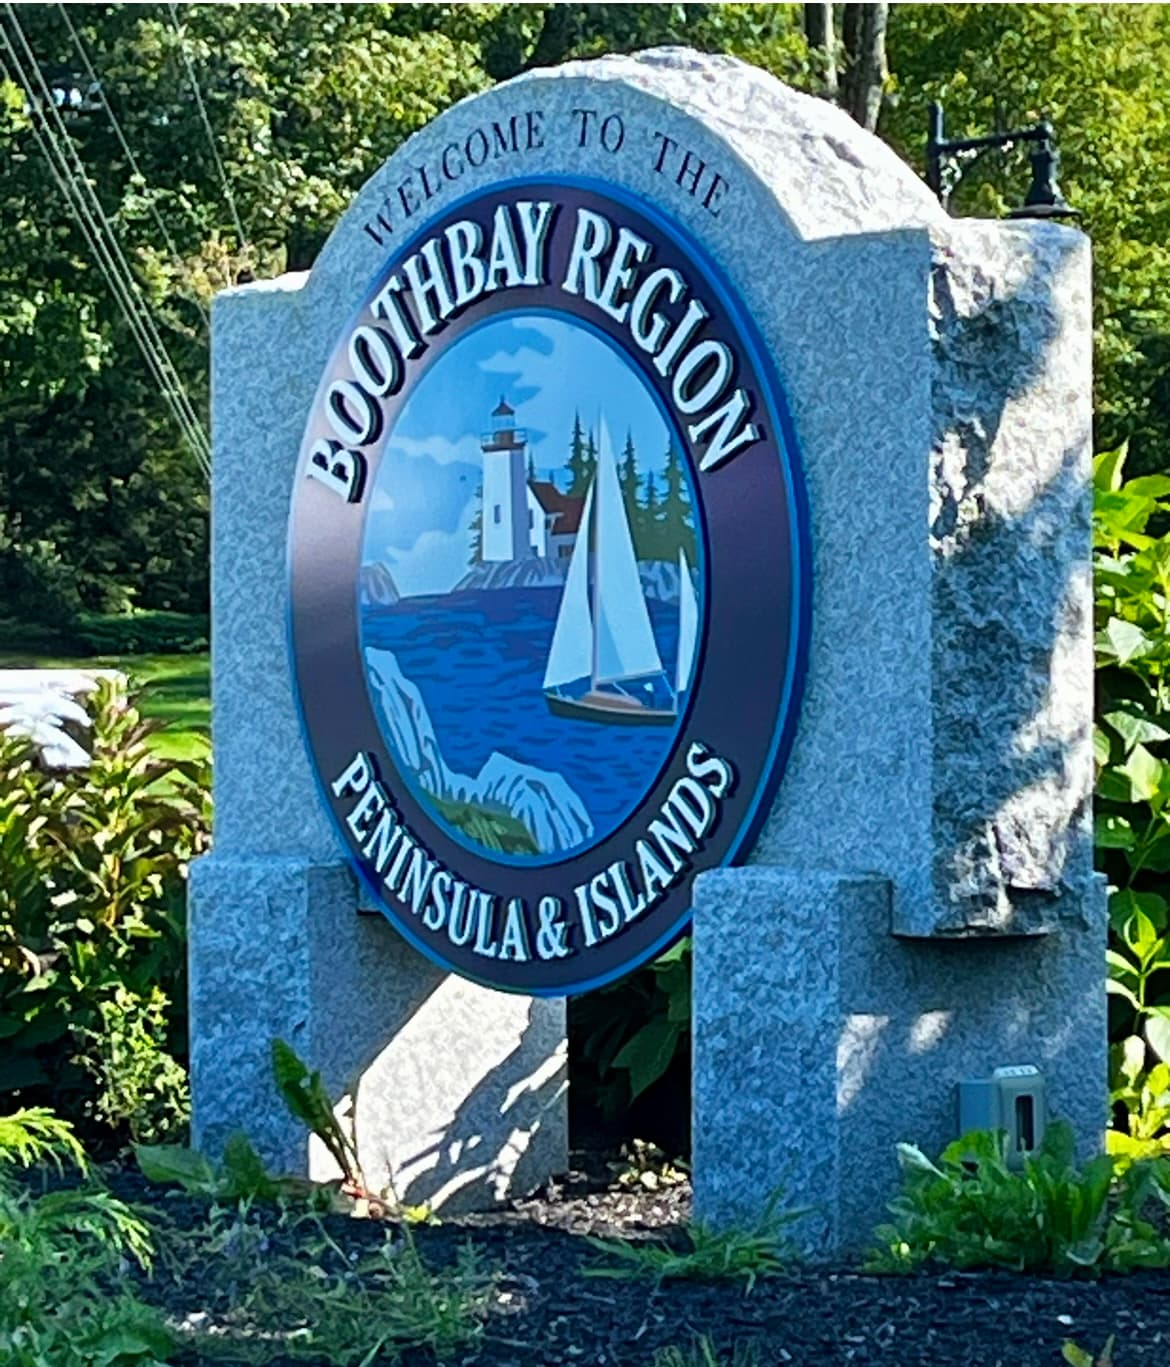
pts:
pixel 552 1314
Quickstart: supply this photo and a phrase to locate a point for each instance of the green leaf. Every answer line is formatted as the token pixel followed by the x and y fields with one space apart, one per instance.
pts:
pixel 1125 641
pixel 1145 773
pixel 1140 934
pixel 1112 833
pixel 1124 903
pixel 1157 1029
pixel 1107 468
pixel 1133 1059
pixel 244 1170
pixel 1149 486
pixel 1134 728
pixel 648 1054
pixel 1120 965
pixel 164 1163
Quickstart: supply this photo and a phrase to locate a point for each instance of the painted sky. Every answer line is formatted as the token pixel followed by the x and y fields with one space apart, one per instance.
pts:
pixel 419 518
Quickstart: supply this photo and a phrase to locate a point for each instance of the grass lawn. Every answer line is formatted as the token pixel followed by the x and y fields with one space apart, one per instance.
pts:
pixel 176 690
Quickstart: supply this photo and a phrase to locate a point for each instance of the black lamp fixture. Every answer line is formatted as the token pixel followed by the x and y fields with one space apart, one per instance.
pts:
pixel 947 159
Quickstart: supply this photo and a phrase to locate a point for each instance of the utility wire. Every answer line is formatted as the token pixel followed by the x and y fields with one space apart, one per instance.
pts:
pixel 111 261
pixel 241 238
pixel 176 255
pixel 130 304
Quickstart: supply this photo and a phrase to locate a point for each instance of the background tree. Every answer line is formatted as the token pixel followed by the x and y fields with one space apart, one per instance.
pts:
pixel 1091 70
pixel 101 503
pixel 853 70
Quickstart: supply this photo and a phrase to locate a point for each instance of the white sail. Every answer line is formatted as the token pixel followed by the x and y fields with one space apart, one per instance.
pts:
pixel 624 640
pixel 571 656
pixel 688 623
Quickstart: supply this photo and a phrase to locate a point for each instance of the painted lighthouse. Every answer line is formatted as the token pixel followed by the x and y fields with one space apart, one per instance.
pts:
pixel 521 517
pixel 506 531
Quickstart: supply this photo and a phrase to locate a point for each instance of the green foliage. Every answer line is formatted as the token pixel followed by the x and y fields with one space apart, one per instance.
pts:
pixel 1091 70
pixel 63 1257
pixel 36 1136
pixel 304 1094
pixel 709 1255
pixel 970 1209
pixel 139 1084
pixel 241 1176
pixel 703 1353
pixel 1132 828
pixel 633 1031
pixel 319 1304
pixel 141 633
pixel 107 509
pixel 91 923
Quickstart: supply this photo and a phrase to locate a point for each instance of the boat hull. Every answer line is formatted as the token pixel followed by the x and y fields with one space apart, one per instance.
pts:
pixel 609 709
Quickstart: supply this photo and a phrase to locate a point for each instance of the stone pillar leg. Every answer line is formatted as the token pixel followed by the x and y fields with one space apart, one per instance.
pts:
pixel 456 1093
pixel 822 1040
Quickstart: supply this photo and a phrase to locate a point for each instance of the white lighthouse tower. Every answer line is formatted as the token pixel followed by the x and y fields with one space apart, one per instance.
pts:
pixel 507 534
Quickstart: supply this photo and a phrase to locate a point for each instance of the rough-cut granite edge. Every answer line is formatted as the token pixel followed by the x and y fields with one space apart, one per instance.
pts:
pixel 1011 506
pixel 862 184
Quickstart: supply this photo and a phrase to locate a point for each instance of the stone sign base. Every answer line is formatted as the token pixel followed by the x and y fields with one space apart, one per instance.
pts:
pixel 456 1094
pixel 831 1040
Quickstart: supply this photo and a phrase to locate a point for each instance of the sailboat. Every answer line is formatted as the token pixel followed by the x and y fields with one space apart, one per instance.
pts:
pixel 604 665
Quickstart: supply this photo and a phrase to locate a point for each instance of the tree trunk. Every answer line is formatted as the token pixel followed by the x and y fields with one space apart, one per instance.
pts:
pixel 864 32
pixel 555 36
pixel 818 29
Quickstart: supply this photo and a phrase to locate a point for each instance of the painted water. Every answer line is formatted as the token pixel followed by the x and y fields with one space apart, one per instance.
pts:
pixel 478 659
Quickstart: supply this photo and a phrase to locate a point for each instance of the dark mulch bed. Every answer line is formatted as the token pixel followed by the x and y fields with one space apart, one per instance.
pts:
pixel 554 1315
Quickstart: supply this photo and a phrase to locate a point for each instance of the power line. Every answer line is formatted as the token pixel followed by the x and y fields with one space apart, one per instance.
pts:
pixel 106 249
pixel 176 255
pixel 241 238
pixel 75 186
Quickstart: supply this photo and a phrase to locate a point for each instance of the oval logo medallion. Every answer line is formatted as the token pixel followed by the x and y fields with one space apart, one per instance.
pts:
pixel 549 584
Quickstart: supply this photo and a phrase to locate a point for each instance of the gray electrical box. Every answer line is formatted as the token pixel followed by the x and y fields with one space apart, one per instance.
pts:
pixel 1013 1099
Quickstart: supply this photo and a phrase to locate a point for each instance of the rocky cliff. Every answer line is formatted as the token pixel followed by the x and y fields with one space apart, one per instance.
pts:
pixel 546 805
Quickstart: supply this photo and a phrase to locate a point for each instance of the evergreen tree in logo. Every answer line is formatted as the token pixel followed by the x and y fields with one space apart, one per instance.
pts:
pixel 676 524
pixel 628 479
pixel 582 459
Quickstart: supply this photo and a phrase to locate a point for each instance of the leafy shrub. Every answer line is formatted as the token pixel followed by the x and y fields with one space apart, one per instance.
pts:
pixel 37 1136
pixel 92 923
pixel 140 633
pixel 1133 788
pixel 63 1259
pixel 632 1032
pixel 970 1209
pixel 140 1085
pixel 36 579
